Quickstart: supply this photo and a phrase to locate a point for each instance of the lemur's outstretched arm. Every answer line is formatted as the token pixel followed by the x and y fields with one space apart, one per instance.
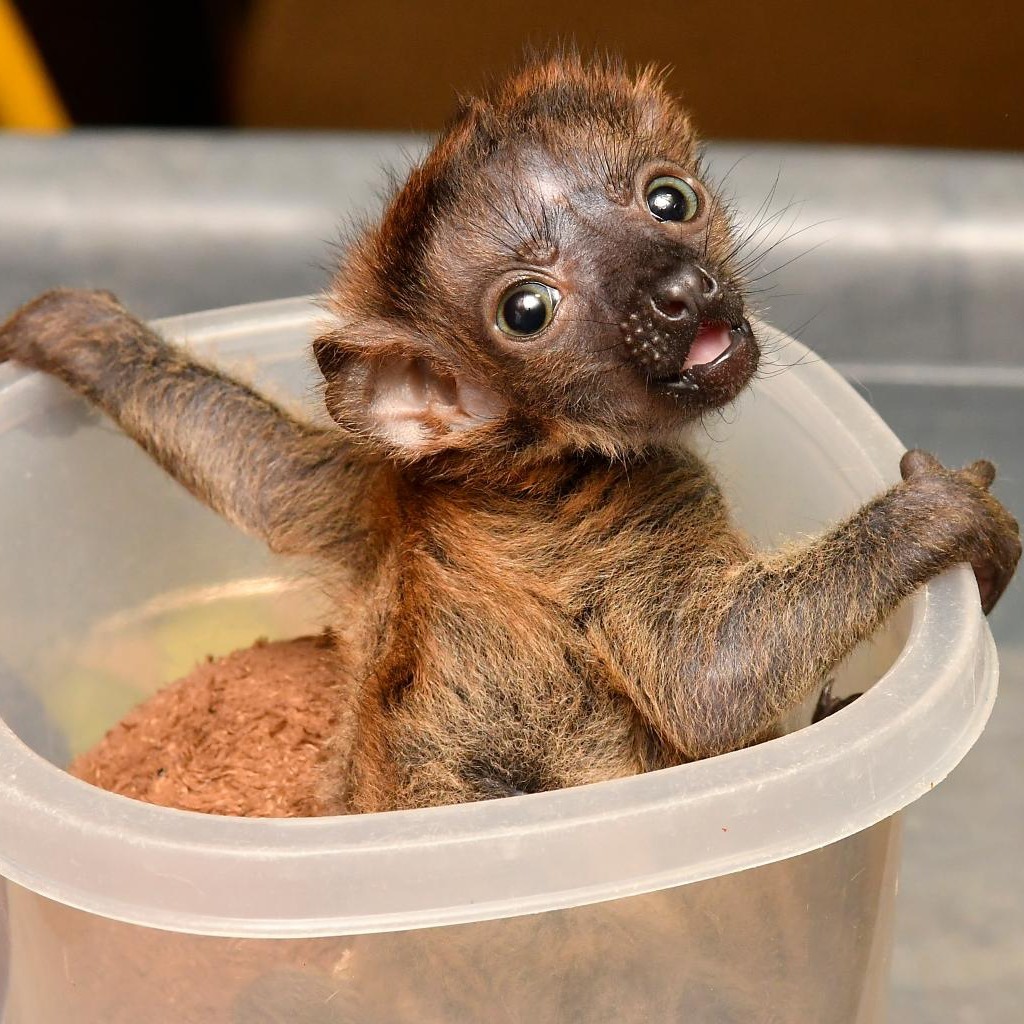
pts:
pixel 291 484
pixel 750 643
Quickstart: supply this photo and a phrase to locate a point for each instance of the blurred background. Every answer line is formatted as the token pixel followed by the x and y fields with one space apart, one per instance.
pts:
pixel 945 73
pixel 873 149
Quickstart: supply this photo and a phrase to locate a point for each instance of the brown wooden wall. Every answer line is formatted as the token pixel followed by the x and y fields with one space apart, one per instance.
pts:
pixel 939 73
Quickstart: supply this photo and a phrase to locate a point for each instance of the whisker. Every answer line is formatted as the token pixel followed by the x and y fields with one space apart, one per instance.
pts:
pixel 757 219
pixel 764 245
pixel 791 260
pixel 748 264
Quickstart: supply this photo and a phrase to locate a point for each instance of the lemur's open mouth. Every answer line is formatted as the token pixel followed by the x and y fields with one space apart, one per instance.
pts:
pixel 712 342
pixel 715 346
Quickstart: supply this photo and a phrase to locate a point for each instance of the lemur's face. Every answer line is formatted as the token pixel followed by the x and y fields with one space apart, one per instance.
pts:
pixel 618 282
pixel 559 261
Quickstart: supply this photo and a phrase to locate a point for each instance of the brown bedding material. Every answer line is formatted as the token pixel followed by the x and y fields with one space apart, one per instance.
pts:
pixel 240 735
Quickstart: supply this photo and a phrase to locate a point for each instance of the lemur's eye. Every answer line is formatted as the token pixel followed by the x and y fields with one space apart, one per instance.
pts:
pixel 526 309
pixel 671 198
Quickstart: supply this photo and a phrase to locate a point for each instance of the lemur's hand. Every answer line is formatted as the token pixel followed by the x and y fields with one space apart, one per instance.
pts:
pixel 971 522
pixel 42 332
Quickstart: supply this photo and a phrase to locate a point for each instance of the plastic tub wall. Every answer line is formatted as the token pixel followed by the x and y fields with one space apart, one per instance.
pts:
pixel 803 940
pixel 753 887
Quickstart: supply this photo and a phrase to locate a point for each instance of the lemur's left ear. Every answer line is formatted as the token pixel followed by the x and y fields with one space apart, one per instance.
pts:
pixel 386 384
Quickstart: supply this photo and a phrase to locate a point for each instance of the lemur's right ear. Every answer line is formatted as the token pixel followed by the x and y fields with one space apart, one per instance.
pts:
pixel 388 385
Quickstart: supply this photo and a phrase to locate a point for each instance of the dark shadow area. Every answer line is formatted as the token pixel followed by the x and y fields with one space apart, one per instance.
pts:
pixel 942 74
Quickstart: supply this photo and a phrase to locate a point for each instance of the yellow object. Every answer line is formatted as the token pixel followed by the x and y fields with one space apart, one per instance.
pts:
pixel 28 100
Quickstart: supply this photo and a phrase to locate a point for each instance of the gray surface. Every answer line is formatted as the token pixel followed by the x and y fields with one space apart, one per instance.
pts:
pixel 920 255
pixel 959 953
pixel 917 287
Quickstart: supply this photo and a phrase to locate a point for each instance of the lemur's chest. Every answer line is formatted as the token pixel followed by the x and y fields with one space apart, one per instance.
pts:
pixel 504 691
pixel 495 679
pixel 503 712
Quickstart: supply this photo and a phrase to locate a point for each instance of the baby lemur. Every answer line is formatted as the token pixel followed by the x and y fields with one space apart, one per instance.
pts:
pixel 536 583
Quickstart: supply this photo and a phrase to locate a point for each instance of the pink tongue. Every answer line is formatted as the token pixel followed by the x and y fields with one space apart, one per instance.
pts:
pixel 711 341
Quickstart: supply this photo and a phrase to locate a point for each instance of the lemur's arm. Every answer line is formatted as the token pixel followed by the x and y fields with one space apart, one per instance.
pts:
pixel 735 660
pixel 293 485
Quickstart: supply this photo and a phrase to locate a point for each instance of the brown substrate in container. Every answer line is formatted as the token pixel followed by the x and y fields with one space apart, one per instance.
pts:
pixel 240 735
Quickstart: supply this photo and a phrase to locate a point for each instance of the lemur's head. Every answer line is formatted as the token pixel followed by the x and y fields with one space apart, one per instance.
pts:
pixel 555 274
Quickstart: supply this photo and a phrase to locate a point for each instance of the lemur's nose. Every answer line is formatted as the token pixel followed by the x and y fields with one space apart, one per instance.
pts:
pixel 684 292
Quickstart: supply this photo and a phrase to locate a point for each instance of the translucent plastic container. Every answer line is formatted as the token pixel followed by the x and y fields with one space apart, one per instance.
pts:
pixel 754 887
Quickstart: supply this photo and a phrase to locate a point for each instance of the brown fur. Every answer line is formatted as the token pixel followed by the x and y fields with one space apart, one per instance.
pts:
pixel 536 586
